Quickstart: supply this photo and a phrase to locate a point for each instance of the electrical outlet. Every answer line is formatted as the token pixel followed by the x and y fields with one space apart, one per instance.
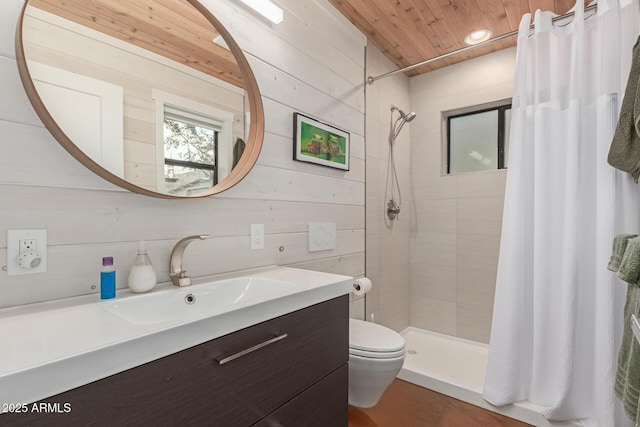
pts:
pixel 27 245
pixel 257 236
pixel 26 252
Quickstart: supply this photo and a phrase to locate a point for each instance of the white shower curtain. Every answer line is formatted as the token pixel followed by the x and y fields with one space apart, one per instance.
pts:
pixel 557 318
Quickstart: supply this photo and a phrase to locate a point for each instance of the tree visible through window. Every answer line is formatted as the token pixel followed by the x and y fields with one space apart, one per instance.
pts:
pixel 190 151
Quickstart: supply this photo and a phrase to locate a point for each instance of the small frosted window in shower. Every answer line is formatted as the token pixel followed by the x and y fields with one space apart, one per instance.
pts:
pixel 478 140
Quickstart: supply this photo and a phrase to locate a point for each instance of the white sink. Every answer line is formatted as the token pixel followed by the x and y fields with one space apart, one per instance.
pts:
pixel 43 356
pixel 197 300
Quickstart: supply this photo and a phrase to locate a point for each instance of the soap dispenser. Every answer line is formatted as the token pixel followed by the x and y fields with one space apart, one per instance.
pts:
pixel 142 277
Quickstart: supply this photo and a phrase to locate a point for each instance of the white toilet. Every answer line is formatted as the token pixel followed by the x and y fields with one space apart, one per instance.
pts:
pixel 376 354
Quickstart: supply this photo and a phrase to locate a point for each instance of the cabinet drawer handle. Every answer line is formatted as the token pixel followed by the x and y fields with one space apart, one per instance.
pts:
pixel 250 349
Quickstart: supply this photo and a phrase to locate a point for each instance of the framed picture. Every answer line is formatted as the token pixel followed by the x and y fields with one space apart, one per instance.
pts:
pixel 320 143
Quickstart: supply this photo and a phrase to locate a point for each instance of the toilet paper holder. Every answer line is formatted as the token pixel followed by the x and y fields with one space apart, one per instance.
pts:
pixel 361 286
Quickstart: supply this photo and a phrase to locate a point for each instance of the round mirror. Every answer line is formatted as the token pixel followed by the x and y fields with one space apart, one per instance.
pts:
pixel 153 95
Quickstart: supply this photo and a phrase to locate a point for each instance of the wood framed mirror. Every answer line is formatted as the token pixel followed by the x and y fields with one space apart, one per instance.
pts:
pixel 154 96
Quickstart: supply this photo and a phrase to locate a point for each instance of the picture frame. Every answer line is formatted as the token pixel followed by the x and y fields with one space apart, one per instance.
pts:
pixel 320 143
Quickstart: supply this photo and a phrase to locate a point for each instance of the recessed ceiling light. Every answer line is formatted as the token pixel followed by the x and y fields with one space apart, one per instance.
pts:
pixel 267 9
pixel 478 36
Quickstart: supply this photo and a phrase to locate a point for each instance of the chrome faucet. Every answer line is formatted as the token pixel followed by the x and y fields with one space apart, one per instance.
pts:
pixel 178 275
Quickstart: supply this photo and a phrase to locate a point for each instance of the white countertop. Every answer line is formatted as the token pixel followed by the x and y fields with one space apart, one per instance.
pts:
pixel 51 347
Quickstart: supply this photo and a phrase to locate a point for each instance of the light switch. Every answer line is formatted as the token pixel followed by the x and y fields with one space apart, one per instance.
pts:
pixel 322 236
pixel 257 236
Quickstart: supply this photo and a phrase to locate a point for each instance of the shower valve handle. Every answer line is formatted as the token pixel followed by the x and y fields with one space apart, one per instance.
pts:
pixel 393 209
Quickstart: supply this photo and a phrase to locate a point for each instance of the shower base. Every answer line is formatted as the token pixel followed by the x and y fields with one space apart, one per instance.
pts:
pixel 456 367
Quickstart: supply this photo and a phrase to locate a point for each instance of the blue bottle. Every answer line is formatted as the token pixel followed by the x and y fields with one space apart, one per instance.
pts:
pixel 107 279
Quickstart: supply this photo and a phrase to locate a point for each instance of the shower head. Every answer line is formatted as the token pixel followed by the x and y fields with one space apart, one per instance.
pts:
pixel 400 121
pixel 409 117
pixel 403 116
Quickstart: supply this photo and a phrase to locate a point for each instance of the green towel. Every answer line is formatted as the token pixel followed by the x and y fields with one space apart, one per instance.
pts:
pixel 627 385
pixel 624 153
pixel 629 270
pixel 238 149
pixel 619 246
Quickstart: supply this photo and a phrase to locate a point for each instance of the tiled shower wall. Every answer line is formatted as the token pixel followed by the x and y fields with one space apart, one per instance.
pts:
pixel 387 243
pixel 455 219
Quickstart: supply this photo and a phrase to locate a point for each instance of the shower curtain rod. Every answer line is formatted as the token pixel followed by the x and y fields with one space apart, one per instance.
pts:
pixel 371 79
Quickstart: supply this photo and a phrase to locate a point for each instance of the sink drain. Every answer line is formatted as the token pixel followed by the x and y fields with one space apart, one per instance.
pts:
pixel 412 352
pixel 190 299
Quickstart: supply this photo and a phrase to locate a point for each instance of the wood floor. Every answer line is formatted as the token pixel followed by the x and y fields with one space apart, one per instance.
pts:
pixel 408 405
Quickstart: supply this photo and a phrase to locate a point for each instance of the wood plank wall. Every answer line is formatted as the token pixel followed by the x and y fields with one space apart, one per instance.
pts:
pixel 312 63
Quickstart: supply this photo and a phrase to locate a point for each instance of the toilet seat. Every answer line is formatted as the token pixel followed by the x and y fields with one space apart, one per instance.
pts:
pixel 376 354
pixel 374 341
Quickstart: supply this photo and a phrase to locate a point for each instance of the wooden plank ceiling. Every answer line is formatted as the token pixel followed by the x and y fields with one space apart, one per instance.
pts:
pixel 171 28
pixel 411 31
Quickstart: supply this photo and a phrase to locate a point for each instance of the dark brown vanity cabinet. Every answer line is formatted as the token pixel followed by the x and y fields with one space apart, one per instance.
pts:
pixel 288 371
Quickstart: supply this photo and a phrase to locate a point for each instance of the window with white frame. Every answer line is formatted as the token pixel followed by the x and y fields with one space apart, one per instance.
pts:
pixel 193 144
pixel 190 151
pixel 477 138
